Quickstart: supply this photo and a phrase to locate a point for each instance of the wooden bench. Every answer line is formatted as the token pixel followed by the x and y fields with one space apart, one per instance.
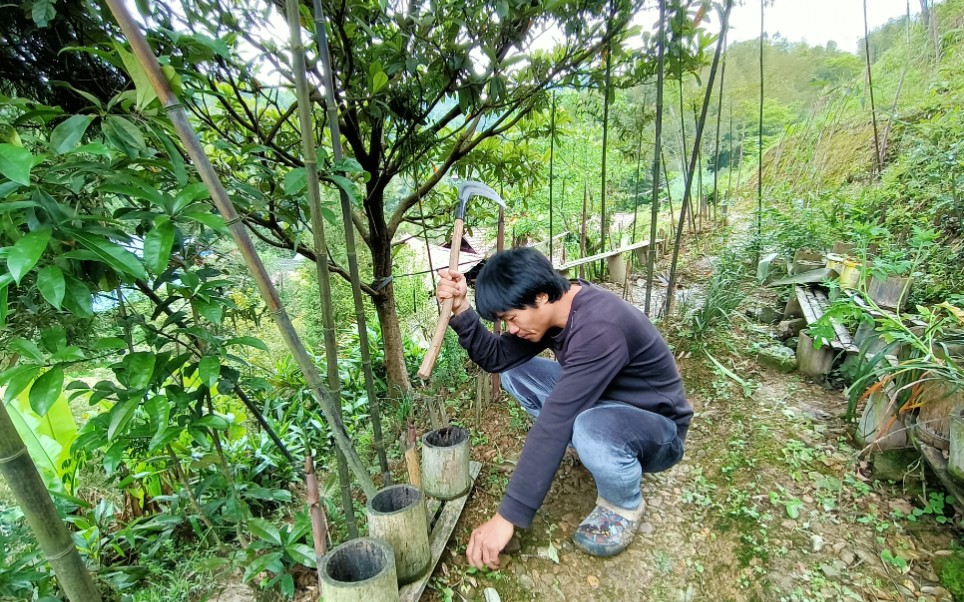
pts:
pixel 639 248
pixel 812 304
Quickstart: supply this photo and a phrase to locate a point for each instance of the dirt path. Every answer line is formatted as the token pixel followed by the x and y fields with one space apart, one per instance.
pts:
pixel 771 502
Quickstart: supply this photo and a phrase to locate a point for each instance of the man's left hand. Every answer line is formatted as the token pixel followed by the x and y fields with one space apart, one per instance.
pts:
pixel 487 541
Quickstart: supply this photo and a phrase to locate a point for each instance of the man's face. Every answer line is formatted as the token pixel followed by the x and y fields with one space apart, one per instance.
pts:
pixel 530 323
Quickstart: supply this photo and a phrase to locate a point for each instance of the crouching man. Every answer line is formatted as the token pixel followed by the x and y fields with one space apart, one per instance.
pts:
pixel 614 393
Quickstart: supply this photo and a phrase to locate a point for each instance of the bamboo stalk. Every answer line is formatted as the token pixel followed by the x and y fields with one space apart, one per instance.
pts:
pixel 321 36
pixel 319 526
pixel 321 245
pixel 31 494
pixel 657 153
pixel 233 221
pixel 759 175
pixel 671 286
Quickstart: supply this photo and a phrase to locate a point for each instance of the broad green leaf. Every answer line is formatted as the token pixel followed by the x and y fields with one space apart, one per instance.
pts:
pixel 54 338
pixel 69 354
pixel 379 81
pixel 346 185
pixel 43 12
pixel 110 343
pixel 208 369
pixel 142 83
pixel 262 529
pixel 8 188
pixel 3 304
pixel 157 246
pixel 302 553
pixel 268 562
pixel 26 252
pixel 17 379
pixel 46 389
pixel 215 222
pixel 295 181
pixel 212 311
pixel 211 421
pixel 120 415
pixel 26 348
pixel 140 369
pixel 52 285
pixel 16 163
pixel 58 425
pixel 124 135
pixel 189 194
pixel 68 134
pixel 42 450
pixel 112 254
pixel 77 299
pixel 249 341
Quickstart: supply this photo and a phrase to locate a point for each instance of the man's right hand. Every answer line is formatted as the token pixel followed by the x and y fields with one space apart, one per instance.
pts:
pixel 452 286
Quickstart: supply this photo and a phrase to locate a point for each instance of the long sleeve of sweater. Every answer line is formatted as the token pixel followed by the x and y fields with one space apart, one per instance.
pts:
pixel 590 367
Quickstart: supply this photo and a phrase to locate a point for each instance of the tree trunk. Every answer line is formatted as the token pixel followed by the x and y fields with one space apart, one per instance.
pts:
pixel 395 370
pixel 29 491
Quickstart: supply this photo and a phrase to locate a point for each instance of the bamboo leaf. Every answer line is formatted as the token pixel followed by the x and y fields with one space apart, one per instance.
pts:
pixel 46 390
pixel 3 303
pixel 52 285
pixel 26 252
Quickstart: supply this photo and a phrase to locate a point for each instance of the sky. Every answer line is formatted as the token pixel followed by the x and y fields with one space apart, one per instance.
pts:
pixel 816 21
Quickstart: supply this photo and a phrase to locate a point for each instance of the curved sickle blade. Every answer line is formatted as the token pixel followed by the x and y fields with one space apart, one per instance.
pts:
pixel 470 188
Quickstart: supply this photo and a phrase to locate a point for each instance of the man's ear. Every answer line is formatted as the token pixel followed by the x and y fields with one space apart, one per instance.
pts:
pixel 542 298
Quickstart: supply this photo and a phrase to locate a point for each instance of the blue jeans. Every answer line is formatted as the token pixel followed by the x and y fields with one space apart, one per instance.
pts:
pixel 616 442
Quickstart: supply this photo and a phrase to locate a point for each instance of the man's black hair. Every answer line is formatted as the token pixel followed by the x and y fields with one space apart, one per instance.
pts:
pixel 513 279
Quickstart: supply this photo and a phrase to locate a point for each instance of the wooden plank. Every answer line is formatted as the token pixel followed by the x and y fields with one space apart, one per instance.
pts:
pixel 605 254
pixel 442 519
pixel 814 304
pixel 843 335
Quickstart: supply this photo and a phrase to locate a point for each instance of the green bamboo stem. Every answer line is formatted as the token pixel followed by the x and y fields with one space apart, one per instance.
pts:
pixel 31 494
pixel 233 221
pixel 657 154
pixel 321 37
pixel 671 286
pixel 321 246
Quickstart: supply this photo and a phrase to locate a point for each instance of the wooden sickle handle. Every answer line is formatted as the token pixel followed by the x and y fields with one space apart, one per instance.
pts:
pixel 446 312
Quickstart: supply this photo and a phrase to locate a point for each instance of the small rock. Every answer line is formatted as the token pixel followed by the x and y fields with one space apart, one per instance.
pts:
pixel 491 595
pixel 527 582
pixel 816 543
pixel 839 546
pixel 593 581
pixel 778 357
pixel 829 571
pixel 646 528
pixel 847 557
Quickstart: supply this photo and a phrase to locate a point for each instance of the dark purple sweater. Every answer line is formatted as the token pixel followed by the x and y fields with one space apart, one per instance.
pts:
pixel 608 350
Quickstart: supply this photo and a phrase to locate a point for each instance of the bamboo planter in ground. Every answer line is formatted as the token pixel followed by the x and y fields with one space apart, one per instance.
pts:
pixel 397 516
pixel 880 427
pixel 812 361
pixel 445 463
pixel 359 570
pixel 892 292
pixel 955 461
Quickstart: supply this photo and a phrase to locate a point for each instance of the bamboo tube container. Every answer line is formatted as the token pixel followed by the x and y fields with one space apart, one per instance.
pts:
pixel 445 463
pixel 359 570
pixel 397 515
